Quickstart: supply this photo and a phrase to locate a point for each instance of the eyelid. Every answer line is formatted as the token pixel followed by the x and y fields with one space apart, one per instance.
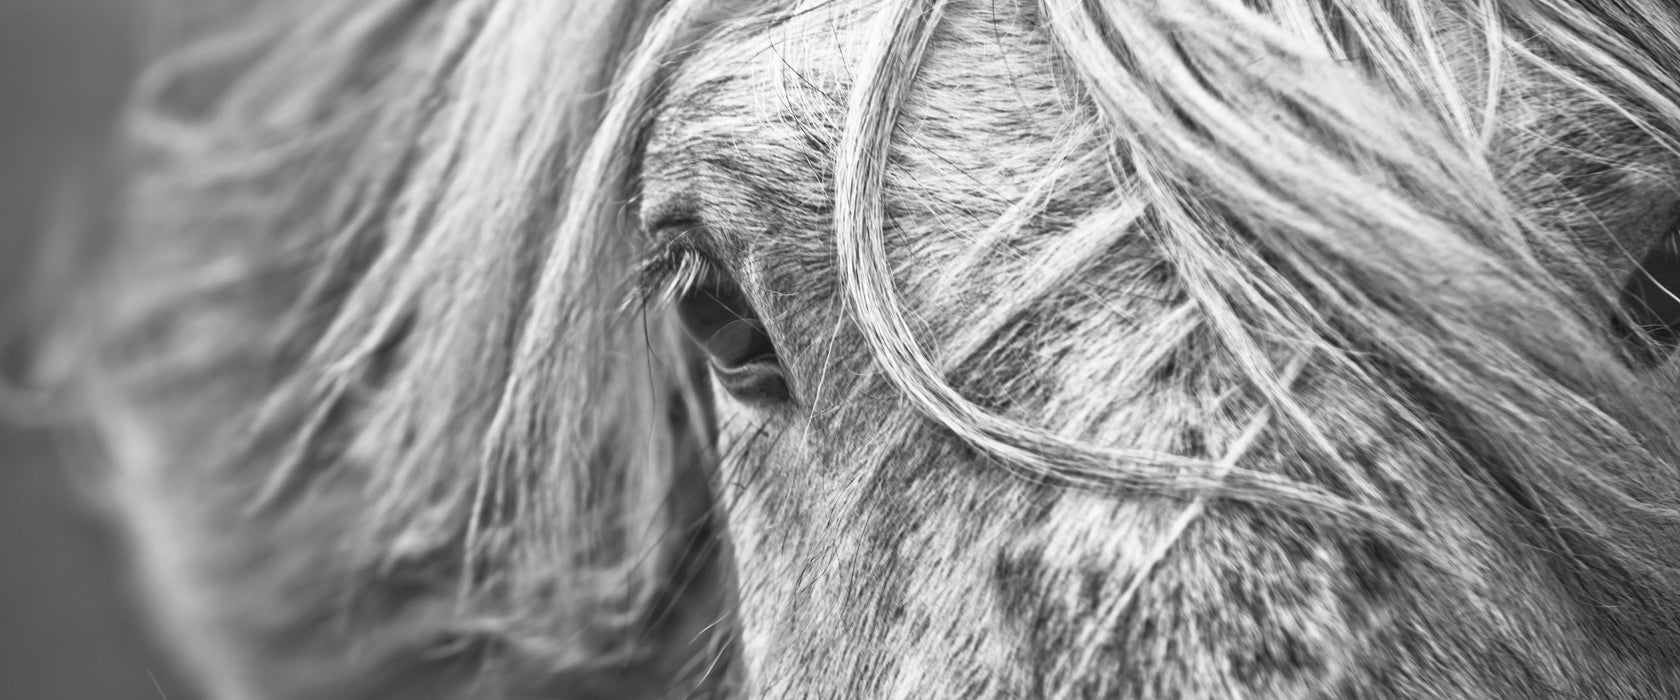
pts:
pixel 680 229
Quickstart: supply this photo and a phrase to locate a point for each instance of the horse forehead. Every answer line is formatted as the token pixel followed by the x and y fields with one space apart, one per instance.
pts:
pixel 763 106
pixel 754 79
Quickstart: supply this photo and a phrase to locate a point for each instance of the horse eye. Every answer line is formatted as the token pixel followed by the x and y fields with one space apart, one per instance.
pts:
pixel 719 318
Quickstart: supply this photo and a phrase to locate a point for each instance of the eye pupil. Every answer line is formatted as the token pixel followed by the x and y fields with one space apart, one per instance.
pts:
pixel 718 316
pixel 720 319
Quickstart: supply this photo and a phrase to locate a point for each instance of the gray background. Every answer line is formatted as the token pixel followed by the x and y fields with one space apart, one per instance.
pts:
pixel 68 628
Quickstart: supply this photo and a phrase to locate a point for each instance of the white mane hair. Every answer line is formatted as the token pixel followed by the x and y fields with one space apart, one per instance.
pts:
pixel 382 422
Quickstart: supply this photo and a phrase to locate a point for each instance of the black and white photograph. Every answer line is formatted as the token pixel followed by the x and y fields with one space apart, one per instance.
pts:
pixel 850 349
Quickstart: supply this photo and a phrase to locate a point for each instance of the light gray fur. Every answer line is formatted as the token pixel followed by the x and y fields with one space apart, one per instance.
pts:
pixel 1139 349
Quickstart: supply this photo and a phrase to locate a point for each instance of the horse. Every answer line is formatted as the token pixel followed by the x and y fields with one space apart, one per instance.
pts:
pixel 901 348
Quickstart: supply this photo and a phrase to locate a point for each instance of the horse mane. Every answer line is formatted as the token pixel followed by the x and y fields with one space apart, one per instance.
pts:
pixel 1361 218
pixel 384 246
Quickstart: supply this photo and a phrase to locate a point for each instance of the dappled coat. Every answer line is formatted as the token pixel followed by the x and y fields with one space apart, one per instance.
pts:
pixel 903 348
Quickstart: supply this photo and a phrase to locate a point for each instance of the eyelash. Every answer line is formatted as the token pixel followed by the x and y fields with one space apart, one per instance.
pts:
pixel 665 277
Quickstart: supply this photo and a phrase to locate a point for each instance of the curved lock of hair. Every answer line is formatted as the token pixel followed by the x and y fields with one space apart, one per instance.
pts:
pixel 901 32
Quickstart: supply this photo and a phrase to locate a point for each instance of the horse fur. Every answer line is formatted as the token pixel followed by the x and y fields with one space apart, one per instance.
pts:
pixel 1138 348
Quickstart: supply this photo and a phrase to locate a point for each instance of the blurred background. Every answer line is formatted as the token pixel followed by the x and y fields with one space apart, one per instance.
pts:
pixel 68 626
